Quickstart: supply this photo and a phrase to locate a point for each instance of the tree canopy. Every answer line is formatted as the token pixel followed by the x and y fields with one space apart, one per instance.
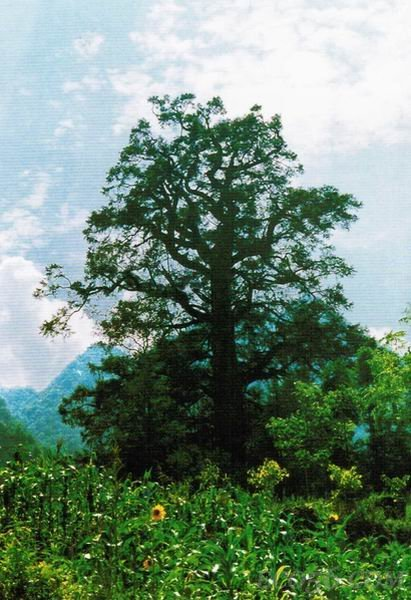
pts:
pixel 204 228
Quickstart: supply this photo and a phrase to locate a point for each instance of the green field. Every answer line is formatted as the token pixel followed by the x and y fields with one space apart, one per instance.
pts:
pixel 71 531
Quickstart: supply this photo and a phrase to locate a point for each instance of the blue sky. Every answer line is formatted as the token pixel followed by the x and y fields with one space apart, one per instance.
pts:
pixel 75 78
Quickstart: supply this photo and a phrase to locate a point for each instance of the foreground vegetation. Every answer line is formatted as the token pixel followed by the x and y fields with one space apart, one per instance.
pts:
pixel 74 531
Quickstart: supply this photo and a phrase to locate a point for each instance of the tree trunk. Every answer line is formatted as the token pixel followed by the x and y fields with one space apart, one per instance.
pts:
pixel 228 396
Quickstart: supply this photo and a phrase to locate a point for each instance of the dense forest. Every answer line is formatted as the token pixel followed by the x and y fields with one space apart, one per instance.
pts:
pixel 235 435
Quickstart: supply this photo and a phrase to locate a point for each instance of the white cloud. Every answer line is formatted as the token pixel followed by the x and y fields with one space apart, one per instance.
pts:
pixel 21 227
pixel 72 86
pixel 337 73
pixel 63 127
pixel 39 194
pixel 23 91
pixel 379 332
pixel 359 238
pixel 172 45
pixel 56 104
pixel 166 11
pixel 20 230
pixel 71 219
pixel 398 338
pixel 26 357
pixel 89 83
pixel 131 84
pixel 88 45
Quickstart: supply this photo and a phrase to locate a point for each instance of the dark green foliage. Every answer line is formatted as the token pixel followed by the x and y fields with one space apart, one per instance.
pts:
pixel 156 410
pixel 15 440
pixel 305 514
pixel 355 410
pixel 311 342
pixel 385 410
pixel 23 576
pixel 151 410
pixel 393 507
pixel 203 229
pixel 318 432
pixel 381 516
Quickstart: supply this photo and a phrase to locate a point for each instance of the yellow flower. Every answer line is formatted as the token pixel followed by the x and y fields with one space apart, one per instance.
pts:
pixel 147 563
pixel 334 518
pixel 158 513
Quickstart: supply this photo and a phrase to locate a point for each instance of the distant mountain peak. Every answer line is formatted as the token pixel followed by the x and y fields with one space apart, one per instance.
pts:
pixel 38 411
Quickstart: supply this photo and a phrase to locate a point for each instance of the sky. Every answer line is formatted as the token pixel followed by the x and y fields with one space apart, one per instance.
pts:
pixel 76 76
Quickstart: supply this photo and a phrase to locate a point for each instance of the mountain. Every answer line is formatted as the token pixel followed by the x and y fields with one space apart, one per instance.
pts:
pixel 38 411
pixel 14 437
pixel 19 400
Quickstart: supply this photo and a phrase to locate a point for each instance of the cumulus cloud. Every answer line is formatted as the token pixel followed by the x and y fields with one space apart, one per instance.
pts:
pixel 337 72
pixel 21 223
pixel 88 45
pixel 20 230
pixel 130 84
pixel 27 358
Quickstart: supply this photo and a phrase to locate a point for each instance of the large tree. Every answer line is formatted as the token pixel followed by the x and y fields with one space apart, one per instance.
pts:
pixel 205 228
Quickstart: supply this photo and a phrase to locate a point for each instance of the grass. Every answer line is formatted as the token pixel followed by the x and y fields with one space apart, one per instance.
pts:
pixel 78 532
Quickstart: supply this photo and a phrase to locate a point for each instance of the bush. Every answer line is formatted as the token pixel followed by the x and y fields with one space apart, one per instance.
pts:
pixel 304 514
pixel 362 525
pixel 24 576
pixel 348 482
pixel 399 530
pixel 380 515
pixel 396 486
pixel 394 508
pixel 267 476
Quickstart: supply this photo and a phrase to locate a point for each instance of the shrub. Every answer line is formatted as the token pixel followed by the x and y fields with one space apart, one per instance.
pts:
pixel 24 576
pixel 267 476
pixel 379 515
pixel 393 507
pixel 396 486
pixel 368 520
pixel 399 530
pixel 304 513
pixel 348 482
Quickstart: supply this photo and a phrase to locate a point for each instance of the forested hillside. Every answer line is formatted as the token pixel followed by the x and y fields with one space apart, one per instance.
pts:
pixel 15 440
pixel 39 411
